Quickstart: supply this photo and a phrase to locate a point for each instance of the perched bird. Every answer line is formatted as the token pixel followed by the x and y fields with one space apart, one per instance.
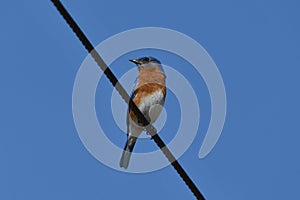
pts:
pixel 149 95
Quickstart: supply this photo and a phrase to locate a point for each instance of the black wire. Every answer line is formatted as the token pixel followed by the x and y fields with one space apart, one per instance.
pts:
pixel 112 78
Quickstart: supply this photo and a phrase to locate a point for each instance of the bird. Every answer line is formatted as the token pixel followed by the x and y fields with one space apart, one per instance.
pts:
pixel 149 95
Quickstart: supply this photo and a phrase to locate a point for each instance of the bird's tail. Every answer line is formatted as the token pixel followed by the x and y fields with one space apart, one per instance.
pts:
pixel 131 140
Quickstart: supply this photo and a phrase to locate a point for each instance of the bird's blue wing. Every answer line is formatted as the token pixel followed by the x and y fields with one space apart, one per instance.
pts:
pixel 133 93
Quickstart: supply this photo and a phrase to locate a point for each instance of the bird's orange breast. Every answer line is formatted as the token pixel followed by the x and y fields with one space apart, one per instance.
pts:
pixel 150 80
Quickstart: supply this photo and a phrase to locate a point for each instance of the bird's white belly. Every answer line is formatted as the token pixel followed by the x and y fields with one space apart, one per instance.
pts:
pixel 152 105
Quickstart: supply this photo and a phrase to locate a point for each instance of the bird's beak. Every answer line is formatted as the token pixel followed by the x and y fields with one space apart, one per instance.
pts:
pixel 135 61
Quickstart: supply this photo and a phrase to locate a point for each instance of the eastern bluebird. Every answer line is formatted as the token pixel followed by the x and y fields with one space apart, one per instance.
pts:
pixel 150 91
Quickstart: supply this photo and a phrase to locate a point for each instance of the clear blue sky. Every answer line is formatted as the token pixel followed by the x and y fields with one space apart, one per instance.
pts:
pixel 256 46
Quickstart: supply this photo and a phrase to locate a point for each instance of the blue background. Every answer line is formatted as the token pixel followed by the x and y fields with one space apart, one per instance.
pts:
pixel 256 46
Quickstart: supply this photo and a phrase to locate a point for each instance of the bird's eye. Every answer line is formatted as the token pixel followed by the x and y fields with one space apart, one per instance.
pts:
pixel 147 59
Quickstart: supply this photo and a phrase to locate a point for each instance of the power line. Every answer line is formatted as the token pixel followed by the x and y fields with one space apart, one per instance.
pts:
pixel 112 78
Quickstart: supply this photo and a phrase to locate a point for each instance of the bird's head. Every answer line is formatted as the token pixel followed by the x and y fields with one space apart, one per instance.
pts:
pixel 147 62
